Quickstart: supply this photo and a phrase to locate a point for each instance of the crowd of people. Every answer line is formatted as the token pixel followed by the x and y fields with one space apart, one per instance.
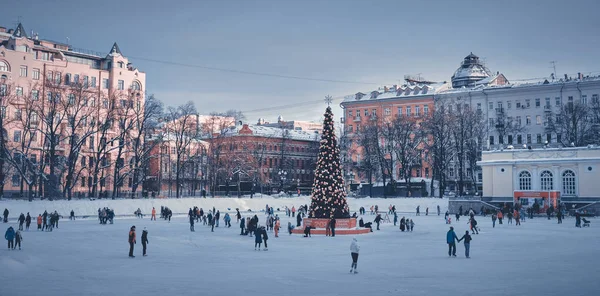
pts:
pixel 106 215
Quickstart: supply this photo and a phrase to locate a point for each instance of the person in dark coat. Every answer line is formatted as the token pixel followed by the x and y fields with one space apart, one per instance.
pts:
pixel 377 220
pixel 450 239
pixel 265 237
pixel 402 224
pixel 72 216
pixel 238 215
pixel 27 221
pixel 257 239
pixel 192 220
pixel 144 241
pixel 242 226
pixel 559 216
pixel 298 221
pixel 5 215
pixel 21 221
pixel 131 241
pixel 332 226
pixel 307 230
pixel 457 217
pixel 290 228
pixel 494 217
pixel 577 219
pixel 467 237
pixel 10 237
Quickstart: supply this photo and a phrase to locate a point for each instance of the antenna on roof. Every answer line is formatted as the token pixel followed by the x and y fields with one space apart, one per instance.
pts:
pixel 553 67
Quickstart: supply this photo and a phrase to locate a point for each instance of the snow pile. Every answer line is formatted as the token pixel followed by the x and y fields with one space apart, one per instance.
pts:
pixel 182 205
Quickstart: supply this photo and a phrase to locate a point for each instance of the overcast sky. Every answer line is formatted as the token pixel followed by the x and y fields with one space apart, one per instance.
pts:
pixel 356 41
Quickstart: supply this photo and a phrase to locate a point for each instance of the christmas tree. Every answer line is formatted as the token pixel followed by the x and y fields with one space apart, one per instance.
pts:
pixel 328 194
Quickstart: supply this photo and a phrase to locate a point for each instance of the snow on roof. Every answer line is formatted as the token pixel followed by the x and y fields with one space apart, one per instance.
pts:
pixel 274 132
pixel 405 91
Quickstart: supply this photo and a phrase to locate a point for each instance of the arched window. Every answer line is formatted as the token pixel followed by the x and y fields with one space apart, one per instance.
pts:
pixel 524 180
pixel 568 182
pixel 136 85
pixel 546 181
pixel 4 67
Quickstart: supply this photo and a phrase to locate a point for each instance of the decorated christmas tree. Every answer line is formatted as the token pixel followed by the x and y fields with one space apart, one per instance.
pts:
pixel 328 194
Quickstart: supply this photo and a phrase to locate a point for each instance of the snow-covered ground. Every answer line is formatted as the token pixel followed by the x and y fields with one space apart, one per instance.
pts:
pixel 182 205
pixel 85 258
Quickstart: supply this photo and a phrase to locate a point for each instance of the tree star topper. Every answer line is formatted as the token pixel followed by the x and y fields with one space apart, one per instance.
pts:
pixel 328 100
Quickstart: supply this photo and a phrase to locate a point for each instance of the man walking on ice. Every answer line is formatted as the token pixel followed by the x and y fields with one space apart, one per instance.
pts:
pixel 450 239
pixel 131 241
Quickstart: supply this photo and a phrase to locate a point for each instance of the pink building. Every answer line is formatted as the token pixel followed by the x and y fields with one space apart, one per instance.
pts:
pixel 36 73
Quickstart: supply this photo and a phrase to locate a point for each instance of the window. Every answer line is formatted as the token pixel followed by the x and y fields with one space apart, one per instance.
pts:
pixel 518 104
pixel 68 79
pixel 83 161
pixel 49 76
pixel 546 181
pixel 417 111
pixel 426 110
pixel 23 72
pixel 528 138
pixel 105 103
pixel 524 180
pixel 17 136
pixel 538 139
pixel 16 180
pixel 35 95
pixel 374 112
pixel 547 103
pixel 86 81
pixel 93 82
pixel 500 139
pixel 121 85
pixel 3 114
pixel 558 138
pixel 528 103
pixel 387 111
pixel 568 182
pixel 3 66
pixel 510 139
pixel 124 103
pixel 136 85
pixel 350 129
pixel 537 103
pixel 491 122
pixel 36 74
pixel 519 121
pixel 83 181
pixel 91 146
pixel 595 99
pixel 549 138
pixel 557 101
pixel 491 106
pixel 491 140
pixel 71 100
pixel 57 77
pixel 19 91
pixel 49 96
pixel 584 99
pixel 538 119
pixel 500 105
pixel 349 113
pixel 508 104
pixel 366 112
pixel 478 106
pixel 105 83
pixel 408 111
pixel 528 120
pixel 92 102
pixel 519 139
pixel 76 78
pixel 399 111
pixel 18 114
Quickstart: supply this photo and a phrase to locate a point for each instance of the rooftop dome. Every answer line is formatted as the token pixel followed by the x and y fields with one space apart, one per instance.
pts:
pixel 470 71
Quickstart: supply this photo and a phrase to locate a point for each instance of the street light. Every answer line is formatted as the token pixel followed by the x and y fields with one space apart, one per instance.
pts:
pixel 282 177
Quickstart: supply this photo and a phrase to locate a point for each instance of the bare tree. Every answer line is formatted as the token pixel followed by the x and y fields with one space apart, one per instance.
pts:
pixel 11 154
pixel 574 122
pixel 438 127
pixel 182 129
pixel 408 146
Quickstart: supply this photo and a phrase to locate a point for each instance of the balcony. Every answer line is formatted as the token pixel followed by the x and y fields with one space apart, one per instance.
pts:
pixel 357 119
pixel 499 110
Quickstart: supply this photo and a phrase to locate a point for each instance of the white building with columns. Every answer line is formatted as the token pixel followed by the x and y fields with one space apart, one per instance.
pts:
pixel 567 174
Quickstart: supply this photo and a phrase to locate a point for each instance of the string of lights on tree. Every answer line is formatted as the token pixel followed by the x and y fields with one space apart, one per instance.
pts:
pixel 328 193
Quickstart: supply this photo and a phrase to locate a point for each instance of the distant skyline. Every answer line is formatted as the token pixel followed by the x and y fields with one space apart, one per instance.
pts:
pixel 355 41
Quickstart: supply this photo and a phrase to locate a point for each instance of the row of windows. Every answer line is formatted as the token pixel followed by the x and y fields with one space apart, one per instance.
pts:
pixel 408 111
pixel 539 139
pixel 547 181
pixel 538 102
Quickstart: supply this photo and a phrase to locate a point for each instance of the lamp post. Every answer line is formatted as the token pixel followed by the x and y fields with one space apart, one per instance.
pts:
pixel 282 177
pixel 351 177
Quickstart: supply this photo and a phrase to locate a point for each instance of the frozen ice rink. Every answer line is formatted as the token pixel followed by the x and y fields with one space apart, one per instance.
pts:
pixel 85 258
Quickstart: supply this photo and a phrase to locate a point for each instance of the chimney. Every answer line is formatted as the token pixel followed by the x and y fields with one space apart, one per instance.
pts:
pixel 2 30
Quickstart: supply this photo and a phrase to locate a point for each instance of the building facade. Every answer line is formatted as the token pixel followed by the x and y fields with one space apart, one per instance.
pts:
pixel 549 175
pixel 54 95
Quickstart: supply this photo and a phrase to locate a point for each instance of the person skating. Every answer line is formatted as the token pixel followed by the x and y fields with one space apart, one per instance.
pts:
pixel 577 219
pixel 395 218
pixel 5 215
pixel 402 224
pixel 238 216
pixel 427 211
pixel 21 221
pixel 216 219
pixel 354 249
pixel 290 228
pixel 10 237
pixel 277 226
pixel 211 221
pixel 144 241
pixel 500 216
pixel 298 219
pixel 412 225
pixel 377 220
pixel 265 237
pixel 494 217
pixel 39 222
pixel 457 216
pixel 517 217
pixel 153 217
pixel 242 226
pixel 18 239
pixel 559 217
pixel 131 241
pixel 418 210
pixel 27 221
pixel 332 225
pixel 227 220
pixel 257 238
pixel 438 210
pixel 473 224
pixel 72 215
pixel 467 237
pixel 450 239
pixel 192 218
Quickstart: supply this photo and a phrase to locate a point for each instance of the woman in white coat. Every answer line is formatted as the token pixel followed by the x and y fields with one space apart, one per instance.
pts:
pixel 354 249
